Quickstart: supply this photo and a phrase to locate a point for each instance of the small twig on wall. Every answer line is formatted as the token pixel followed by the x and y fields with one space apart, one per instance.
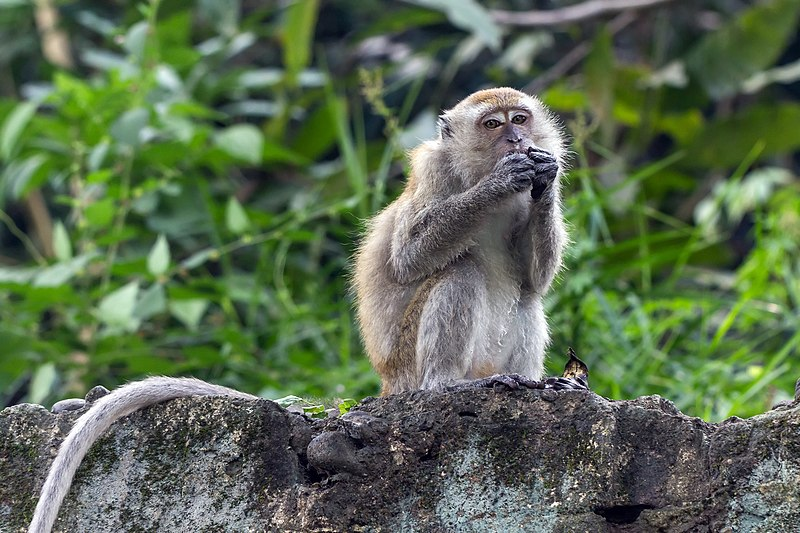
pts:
pixel 574 56
pixel 569 14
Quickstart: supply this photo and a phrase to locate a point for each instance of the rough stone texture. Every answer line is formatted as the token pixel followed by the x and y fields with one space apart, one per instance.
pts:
pixel 478 460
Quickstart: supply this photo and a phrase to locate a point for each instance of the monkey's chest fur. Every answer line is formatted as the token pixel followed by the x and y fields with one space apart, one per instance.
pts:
pixel 510 310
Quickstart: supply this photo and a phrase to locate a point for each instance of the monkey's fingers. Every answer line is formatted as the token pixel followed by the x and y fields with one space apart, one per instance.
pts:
pixel 547 170
pixel 539 155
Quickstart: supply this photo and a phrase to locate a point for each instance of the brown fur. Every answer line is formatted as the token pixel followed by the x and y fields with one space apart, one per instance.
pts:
pixel 462 219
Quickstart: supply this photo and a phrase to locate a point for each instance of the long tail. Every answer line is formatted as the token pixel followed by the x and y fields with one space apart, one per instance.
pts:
pixel 104 412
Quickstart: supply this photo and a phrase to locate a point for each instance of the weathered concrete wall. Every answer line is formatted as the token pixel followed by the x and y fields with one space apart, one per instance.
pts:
pixel 462 461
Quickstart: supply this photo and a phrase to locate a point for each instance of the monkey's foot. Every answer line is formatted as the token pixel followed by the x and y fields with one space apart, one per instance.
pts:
pixel 516 381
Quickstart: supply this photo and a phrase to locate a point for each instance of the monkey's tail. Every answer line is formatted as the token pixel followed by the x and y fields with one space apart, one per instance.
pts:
pixel 104 412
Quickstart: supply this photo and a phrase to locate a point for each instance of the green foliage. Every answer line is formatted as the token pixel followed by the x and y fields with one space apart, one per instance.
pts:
pixel 207 167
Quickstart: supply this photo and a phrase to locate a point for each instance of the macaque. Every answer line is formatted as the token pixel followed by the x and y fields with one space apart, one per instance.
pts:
pixel 450 277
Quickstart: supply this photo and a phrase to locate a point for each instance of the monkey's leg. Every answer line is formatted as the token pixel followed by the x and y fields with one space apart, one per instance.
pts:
pixel 451 325
pixel 531 339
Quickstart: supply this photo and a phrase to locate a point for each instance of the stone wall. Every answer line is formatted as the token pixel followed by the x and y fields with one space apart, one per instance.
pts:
pixel 480 460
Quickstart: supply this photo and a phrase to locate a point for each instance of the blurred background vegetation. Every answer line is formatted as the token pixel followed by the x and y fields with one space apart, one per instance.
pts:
pixel 182 185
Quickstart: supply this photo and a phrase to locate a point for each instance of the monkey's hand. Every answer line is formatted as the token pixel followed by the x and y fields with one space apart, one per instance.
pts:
pixel 545 171
pixel 514 173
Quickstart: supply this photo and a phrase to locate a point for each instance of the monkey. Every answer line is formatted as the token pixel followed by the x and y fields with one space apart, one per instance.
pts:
pixel 92 424
pixel 449 278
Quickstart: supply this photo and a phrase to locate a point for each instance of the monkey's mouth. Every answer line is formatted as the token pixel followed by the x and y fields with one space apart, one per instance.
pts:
pixel 521 150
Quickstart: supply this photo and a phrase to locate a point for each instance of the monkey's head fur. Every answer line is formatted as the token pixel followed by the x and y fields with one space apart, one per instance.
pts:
pixel 488 124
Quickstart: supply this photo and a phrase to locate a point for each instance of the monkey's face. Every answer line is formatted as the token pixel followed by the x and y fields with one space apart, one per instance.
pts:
pixel 507 130
pixel 489 124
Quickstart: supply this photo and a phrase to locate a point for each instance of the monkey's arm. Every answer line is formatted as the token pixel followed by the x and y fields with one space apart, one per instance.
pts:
pixel 548 237
pixel 438 233
pixel 104 412
pixel 545 236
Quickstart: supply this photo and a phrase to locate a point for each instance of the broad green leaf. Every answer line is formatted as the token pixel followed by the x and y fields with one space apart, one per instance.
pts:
pixel 100 213
pixel 749 43
pixel 726 142
pixel 97 155
pixel 158 258
pixel 316 134
pixel 13 127
pixel 127 128
pixel 61 244
pixel 236 219
pixel 242 141
pixel 99 176
pixel 152 301
pixel 189 312
pixel 18 174
pixel 60 273
pixel 116 309
pixel 42 383
pixel 468 15
pixel 136 39
pixel 17 275
pixel 298 35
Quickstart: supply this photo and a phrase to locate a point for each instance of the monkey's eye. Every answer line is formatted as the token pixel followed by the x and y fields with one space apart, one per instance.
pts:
pixel 518 119
pixel 492 123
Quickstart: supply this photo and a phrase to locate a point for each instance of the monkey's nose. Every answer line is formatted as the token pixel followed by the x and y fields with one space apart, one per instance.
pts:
pixel 514 140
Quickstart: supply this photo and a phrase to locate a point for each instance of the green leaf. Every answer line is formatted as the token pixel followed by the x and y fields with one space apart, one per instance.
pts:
pixel 13 127
pixel 136 39
pixel 60 273
pixel 286 401
pixel 298 34
pixel 242 141
pixel 189 312
pixel 158 258
pixel 314 410
pixel 127 128
pixel 152 301
pixel 468 15
pixel 347 404
pixel 61 244
pixel 726 142
pixel 236 219
pixel 749 43
pixel 19 173
pixel 116 309
pixel 100 213
pixel 16 275
pixel 198 258
pixel 97 155
pixel 42 383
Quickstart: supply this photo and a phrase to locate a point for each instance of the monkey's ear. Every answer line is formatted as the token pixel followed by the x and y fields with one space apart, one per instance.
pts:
pixel 445 129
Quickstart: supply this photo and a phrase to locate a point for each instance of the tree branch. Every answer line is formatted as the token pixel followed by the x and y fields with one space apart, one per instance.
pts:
pixel 566 15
